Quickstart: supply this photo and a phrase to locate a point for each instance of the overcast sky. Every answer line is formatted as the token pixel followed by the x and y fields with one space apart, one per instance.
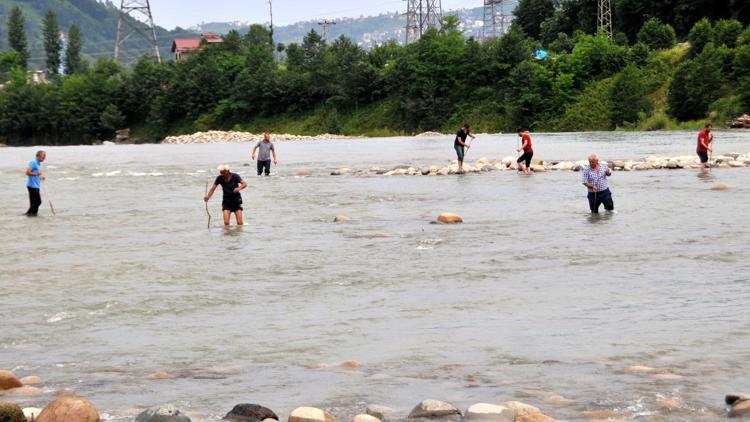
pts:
pixel 186 13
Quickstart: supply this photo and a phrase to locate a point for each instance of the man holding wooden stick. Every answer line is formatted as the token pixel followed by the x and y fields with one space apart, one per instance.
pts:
pixel 34 183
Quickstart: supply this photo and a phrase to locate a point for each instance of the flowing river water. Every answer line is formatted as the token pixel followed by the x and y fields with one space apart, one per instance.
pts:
pixel 126 298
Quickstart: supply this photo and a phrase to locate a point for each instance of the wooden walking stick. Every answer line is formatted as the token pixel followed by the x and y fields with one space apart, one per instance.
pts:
pixel 207 212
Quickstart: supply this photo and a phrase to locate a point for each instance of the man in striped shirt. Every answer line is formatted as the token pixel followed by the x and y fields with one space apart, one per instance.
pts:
pixel 595 179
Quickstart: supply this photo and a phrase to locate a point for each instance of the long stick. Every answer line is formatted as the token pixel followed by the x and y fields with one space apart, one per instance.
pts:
pixel 49 201
pixel 207 213
pixel 711 153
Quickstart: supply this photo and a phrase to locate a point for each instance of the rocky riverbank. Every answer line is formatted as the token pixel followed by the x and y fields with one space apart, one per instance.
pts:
pixel 730 160
pixel 218 137
pixel 67 407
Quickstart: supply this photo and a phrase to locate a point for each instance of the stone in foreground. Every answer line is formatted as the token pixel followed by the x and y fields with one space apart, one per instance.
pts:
pixel 310 414
pixel 10 412
pixel 435 409
pixel 69 409
pixel 365 418
pixel 380 412
pixel 165 413
pixel 449 218
pixel 522 409
pixel 250 412
pixel 486 412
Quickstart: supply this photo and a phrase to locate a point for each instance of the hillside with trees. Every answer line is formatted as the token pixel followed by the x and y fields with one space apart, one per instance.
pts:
pixel 668 73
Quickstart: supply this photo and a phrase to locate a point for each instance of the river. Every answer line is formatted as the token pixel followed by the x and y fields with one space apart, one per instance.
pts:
pixel 530 299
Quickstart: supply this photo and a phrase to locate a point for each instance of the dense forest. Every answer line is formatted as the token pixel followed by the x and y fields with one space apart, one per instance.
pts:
pixel 669 64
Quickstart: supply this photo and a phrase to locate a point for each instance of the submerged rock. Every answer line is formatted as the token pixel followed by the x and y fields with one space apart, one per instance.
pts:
pixel 536 417
pixel 31 380
pixel 449 218
pixel 69 409
pixel 522 409
pixel 341 219
pixel 165 413
pixel 365 418
pixel 248 412
pixel 720 186
pixel 435 409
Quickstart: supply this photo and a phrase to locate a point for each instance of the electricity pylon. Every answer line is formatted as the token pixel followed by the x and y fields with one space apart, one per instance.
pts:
pixel 136 19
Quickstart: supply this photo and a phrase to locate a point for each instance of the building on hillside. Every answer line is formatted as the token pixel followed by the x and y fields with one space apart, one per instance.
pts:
pixel 183 47
pixel 211 38
pixel 38 76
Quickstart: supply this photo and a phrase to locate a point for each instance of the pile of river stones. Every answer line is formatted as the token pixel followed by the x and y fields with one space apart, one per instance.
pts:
pixel 69 408
pixel 217 137
pixel 729 160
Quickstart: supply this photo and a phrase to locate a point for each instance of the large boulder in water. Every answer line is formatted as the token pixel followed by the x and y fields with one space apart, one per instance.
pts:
pixel 485 412
pixel 69 409
pixel 740 405
pixel 166 413
pixel 248 412
pixel 522 409
pixel 310 414
pixel 435 409
pixel 9 380
pixel 449 218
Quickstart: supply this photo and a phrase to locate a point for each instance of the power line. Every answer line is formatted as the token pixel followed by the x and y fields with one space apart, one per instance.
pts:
pixel 128 25
pixel 326 24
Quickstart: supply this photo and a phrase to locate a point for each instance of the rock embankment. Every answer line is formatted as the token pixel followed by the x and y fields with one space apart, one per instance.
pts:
pixel 219 137
pixel 742 122
pixel 730 160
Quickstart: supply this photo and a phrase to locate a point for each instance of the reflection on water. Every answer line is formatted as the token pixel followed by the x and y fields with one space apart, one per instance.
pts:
pixel 128 298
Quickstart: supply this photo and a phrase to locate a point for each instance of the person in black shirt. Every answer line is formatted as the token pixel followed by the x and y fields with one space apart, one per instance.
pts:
pixel 231 184
pixel 460 143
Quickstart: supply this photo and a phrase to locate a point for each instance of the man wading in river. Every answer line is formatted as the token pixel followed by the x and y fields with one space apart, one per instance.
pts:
pixel 264 155
pixel 704 139
pixel 231 184
pixel 527 149
pixel 460 143
pixel 595 179
pixel 34 182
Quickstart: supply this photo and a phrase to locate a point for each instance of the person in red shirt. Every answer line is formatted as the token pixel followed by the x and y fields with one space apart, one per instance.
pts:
pixel 704 140
pixel 528 151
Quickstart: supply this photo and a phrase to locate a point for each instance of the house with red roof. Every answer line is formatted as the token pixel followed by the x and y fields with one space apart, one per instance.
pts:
pixel 182 47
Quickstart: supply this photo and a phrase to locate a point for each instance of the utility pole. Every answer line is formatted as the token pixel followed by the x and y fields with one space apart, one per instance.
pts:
pixel 494 19
pixel 129 23
pixel 422 15
pixel 604 17
pixel 270 14
pixel 326 24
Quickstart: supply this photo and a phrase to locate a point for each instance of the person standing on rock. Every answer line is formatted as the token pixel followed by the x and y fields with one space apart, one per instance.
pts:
pixel 264 155
pixel 34 183
pixel 595 179
pixel 528 151
pixel 704 140
pixel 231 184
pixel 460 145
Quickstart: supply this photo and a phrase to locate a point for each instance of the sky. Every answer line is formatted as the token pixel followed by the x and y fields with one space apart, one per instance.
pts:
pixel 186 13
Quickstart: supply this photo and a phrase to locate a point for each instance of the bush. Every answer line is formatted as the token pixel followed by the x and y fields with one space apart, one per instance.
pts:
pixel 701 34
pixel 726 32
pixel 656 35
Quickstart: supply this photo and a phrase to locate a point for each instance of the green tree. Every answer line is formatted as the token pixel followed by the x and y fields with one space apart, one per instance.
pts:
pixel 596 56
pixel 531 13
pixel 73 61
pixel 111 119
pixel 52 43
pixel 17 35
pixel 695 85
pixel 9 60
pixel 628 96
pixel 656 35
pixel 701 34
pixel 726 32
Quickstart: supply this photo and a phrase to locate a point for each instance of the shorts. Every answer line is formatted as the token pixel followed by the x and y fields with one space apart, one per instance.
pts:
pixel 459 152
pixel 264 165
pixel 703 156
pixel 231 205
pixel 526 157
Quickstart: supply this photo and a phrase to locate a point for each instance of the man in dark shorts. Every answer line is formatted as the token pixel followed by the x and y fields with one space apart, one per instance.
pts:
pixel 231 184
pixel 528 151
pixel 704 139
pixel 595 179
pixel 460 143
pixel 265 148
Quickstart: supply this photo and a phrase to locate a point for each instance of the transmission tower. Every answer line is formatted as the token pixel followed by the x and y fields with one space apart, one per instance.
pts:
pixel 494 19
pixel 422 15
pixel 604 17
pixel 136 19
pixel 326 24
